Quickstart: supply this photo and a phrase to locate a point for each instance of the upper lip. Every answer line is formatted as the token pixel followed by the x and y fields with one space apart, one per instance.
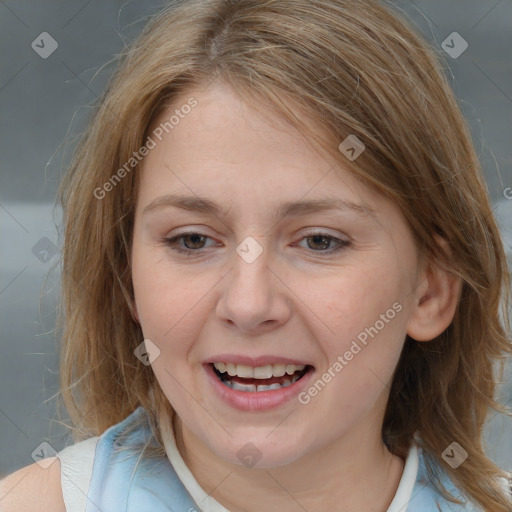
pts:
pixel 253 361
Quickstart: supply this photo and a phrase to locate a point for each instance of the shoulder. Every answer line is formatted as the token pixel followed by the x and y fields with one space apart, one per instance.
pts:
pixel 61 483
pixel 427 495
pixel 33 488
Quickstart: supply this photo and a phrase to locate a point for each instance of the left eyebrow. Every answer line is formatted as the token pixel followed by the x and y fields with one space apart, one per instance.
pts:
pixel 293 208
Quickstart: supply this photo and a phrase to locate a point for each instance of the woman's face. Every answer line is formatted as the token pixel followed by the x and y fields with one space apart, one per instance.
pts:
pixel 326 290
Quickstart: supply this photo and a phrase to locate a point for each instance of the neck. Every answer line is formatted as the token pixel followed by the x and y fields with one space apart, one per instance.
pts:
pixel 337 477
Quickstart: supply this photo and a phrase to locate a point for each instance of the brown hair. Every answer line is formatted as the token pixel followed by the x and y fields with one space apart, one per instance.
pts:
pixel 355 68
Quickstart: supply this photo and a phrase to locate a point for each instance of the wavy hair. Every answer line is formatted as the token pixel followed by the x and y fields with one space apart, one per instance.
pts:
pixel 355 67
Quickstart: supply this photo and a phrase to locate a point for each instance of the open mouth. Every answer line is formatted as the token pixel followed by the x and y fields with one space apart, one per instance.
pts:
pixel 260 378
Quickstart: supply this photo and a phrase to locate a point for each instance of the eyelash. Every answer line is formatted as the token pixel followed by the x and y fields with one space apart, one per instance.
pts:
pixel 172 242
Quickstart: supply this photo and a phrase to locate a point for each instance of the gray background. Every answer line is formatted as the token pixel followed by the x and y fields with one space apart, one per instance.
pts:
pixel 44 102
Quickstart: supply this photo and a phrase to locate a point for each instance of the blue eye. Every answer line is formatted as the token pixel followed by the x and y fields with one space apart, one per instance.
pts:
pixel 194 238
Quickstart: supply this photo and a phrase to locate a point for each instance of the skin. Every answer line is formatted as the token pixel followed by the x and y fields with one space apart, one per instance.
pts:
pixel 295 300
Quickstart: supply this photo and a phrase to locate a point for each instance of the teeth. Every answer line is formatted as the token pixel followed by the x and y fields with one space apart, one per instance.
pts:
pixel 278 370
pixel 291 369
pixel 252 388
pixel 276 385
pixel 231 369
pixel 263 372
pixel 258 372
pixel 244 371
pixel 221 367
pixel 243 387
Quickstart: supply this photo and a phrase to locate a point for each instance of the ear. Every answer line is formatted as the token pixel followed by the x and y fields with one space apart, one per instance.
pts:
pixel 437 298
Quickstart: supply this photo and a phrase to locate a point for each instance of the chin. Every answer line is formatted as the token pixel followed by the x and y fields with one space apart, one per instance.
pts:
pixel 258 454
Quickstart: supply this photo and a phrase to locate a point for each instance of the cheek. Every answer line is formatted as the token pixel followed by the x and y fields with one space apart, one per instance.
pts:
pixel 172 304
pixel 362 308
pixel 169 308
pixel 363 311
pixel 166 307
pixel 156 296
pixel 355 298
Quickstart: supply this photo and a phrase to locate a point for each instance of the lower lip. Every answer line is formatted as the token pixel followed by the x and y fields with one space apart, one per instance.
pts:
pixel 256 400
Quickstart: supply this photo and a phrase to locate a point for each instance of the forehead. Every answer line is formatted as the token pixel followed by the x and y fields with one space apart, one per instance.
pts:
pixel 222 120
pixel 224 132
pixel 231 151
pixel 237 162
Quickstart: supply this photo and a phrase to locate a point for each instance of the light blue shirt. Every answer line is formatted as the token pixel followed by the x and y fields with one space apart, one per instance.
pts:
pixel 123 481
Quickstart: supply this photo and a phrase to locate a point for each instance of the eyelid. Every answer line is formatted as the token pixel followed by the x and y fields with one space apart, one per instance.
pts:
pixel 308 232
pixel 341 242
pixel 172 242
pixel 325 232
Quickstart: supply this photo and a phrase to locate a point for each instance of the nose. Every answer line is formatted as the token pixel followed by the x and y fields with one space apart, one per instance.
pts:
pixel 254 297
